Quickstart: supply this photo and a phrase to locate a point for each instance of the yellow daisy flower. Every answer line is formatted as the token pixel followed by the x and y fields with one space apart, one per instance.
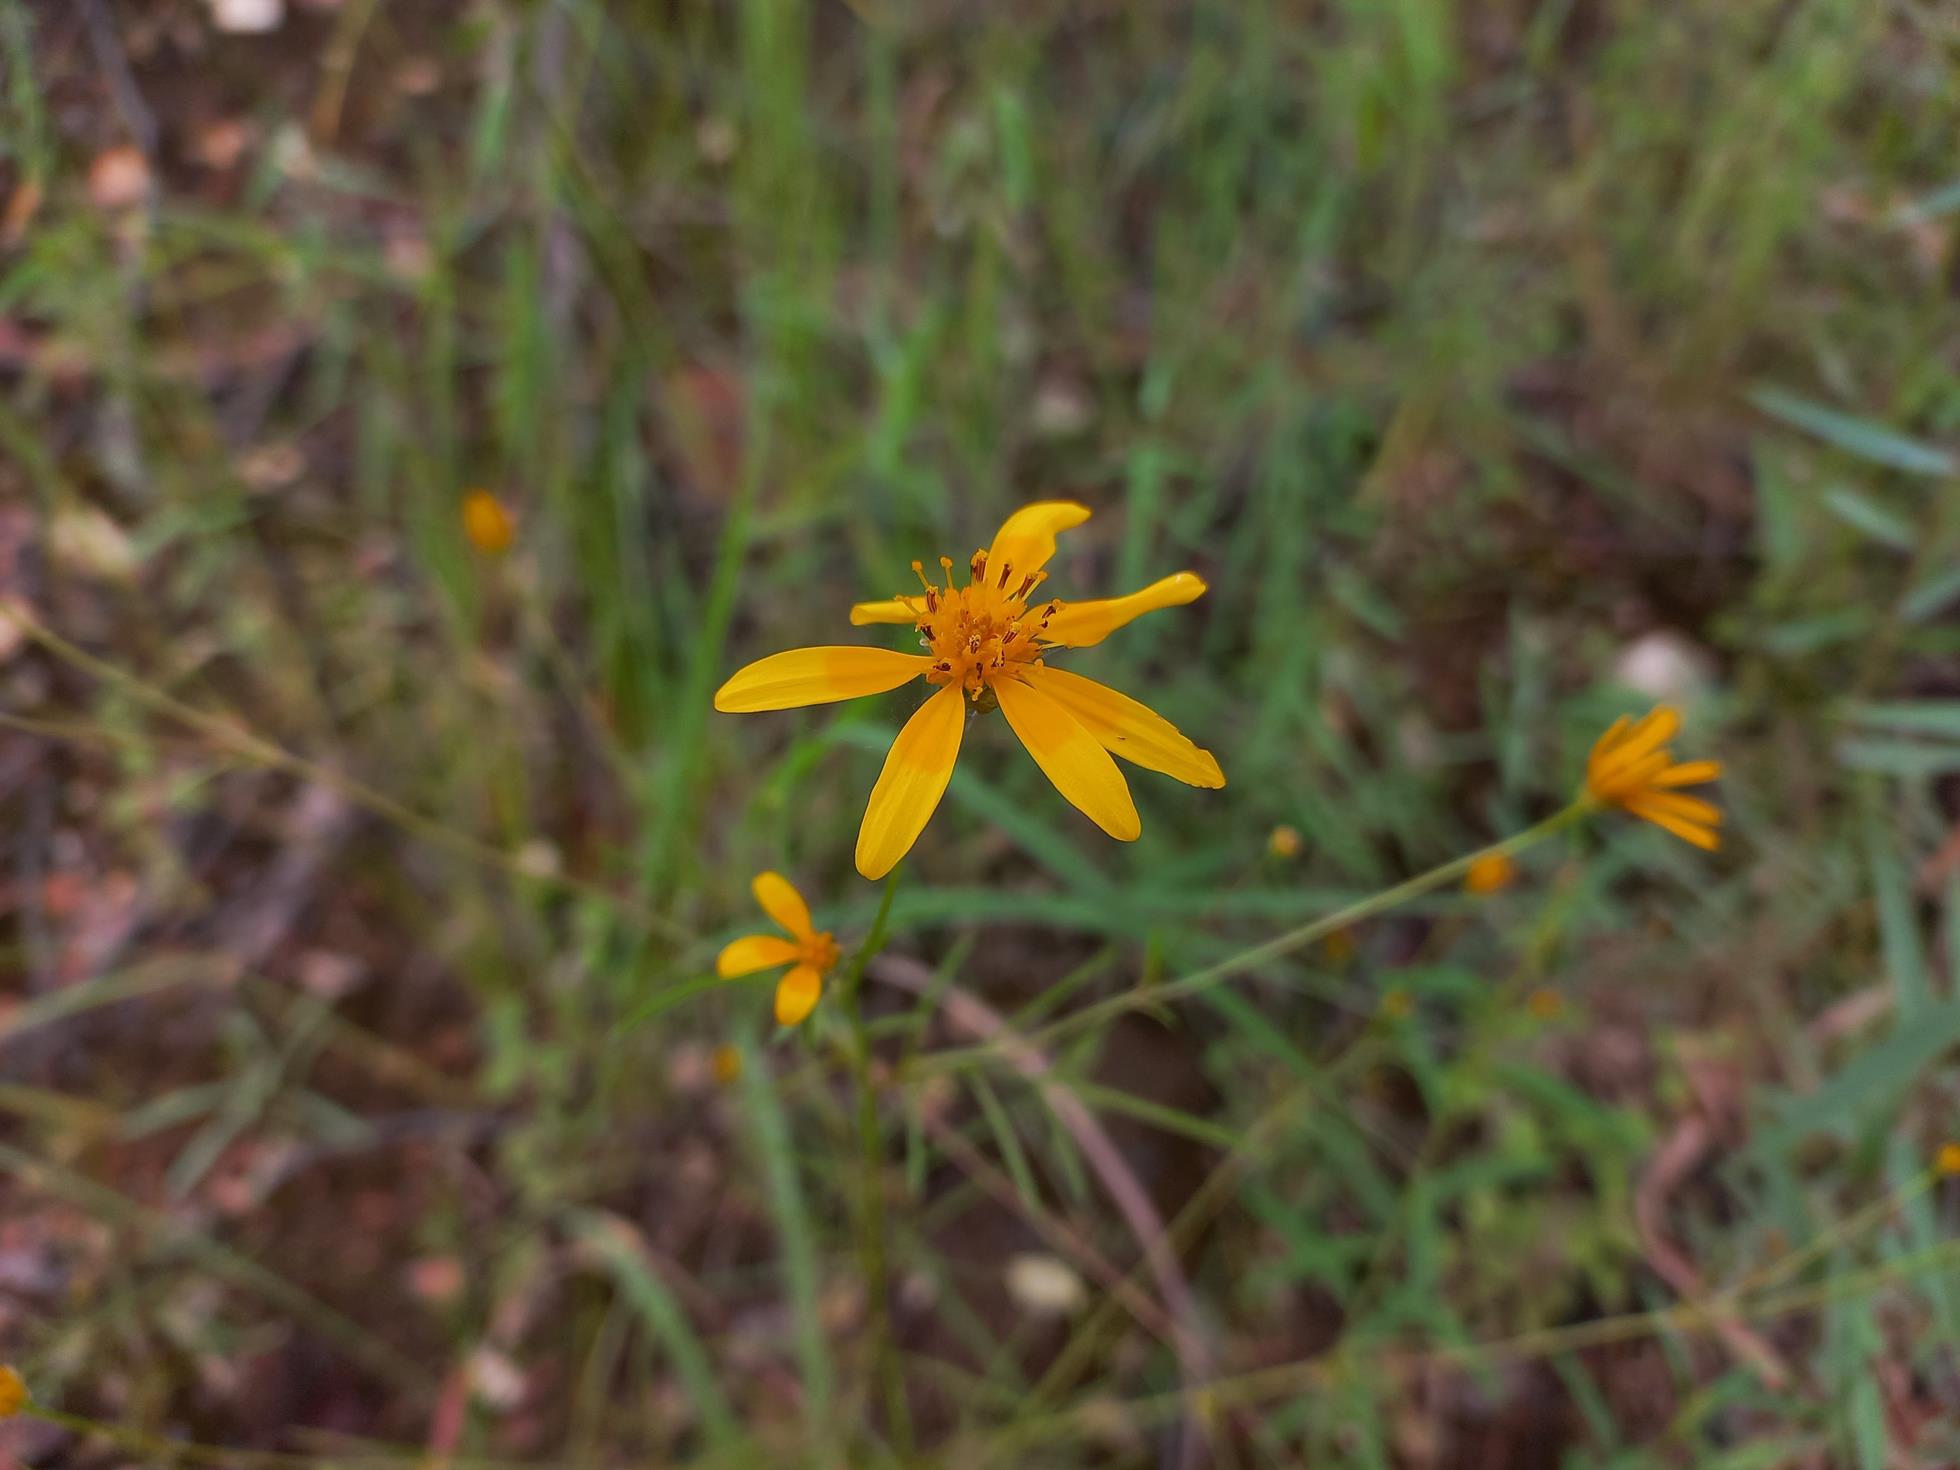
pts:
pixel 987 644
pixel 810 952
pixel 1631 768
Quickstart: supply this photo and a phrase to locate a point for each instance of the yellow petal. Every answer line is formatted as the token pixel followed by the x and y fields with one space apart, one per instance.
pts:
pixel 1687 808
pixel 1689 773
pixel 816 676
pixel 1612 736
pixel 1127 728
pixel 781 902
pixel 1703 837
pixel 1026 539
pixel 1079 624
pixel 1070 757
pixel 914 778
pixel 1646 737
pixel 891 610
pixel 796 995
pixel 754 952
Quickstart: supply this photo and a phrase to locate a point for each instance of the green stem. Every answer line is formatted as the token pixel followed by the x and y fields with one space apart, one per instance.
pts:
pixel 1272 949
pixel 873 1250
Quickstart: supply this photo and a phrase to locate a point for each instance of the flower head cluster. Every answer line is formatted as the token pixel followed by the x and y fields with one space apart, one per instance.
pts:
pixel 809 952
pixel 987 646
pixel 1631 768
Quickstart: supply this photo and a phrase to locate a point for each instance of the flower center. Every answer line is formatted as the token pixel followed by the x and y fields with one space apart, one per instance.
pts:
pixel 984 631
pixel 821 951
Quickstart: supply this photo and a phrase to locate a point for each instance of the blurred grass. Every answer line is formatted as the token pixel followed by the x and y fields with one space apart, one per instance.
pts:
pixel 1463 350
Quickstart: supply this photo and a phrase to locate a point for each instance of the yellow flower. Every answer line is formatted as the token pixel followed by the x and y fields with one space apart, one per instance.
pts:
pixel 1631 768
pixel 1947 1161
pixel 1490 873
pixel 488 523
pixel 727 1064
pixel 986 645
pixel 13 1392
pixel 810 951
pixel 1284 843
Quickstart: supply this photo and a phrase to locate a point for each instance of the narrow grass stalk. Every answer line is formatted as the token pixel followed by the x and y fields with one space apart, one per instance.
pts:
pixel 874 1253
pixel 1284 944
pixel 236 739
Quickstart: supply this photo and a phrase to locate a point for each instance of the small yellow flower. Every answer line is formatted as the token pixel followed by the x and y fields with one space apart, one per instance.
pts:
pixel 987 645
pixel 488 523
pixel 1284 843
pixel 1398 1005
pixel 1490 873
pixel 810 951
pixel 1631 768
pixel 13 1392
pixel 1546 1003
pixel 727 1064
pixel 1946 1162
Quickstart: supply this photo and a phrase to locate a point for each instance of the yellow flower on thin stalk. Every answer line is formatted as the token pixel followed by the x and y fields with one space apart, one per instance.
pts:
pixel 987 646
pixel 1631 768
pixel 810 952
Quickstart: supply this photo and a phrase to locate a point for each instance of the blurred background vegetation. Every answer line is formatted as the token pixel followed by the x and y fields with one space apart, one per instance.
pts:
pixel 1503 366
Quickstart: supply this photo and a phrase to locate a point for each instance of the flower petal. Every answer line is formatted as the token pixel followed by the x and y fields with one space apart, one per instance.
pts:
pixel 1689 773
pixel 1079 624
pixel 1026 539
pixel 781 902
pixel 1612 736
pixel 1126 728
pixel 1675 803
pixel 1070 757
pixel 754 952
pixel 816 676
pixel 1706 838
pixel 913 779
pixel 891 610
pixel 797 994
pixel 1647 736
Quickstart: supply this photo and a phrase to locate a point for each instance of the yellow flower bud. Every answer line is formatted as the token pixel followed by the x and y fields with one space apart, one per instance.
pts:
pixel 488 523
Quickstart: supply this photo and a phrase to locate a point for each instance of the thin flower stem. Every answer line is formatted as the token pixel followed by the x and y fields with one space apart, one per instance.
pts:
pixel 873 1248
pixel 1272 949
